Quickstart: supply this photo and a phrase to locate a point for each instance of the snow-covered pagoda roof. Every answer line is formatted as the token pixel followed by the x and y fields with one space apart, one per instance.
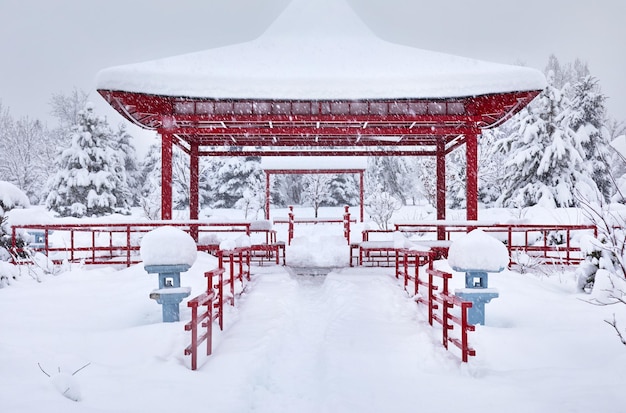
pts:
pixel 319 49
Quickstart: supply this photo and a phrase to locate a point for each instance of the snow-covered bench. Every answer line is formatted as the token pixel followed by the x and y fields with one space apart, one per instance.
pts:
pixel 384 252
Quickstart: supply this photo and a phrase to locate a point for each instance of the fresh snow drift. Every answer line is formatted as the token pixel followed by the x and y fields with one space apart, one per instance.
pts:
pixel 319 49
pixel 351 341
pixel 11 196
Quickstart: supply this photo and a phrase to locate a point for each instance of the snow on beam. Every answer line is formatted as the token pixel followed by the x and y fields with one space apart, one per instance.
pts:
pixel 321 163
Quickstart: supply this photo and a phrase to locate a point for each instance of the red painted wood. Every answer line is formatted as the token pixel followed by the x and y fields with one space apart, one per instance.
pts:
pixel 166 176
pixel 472 177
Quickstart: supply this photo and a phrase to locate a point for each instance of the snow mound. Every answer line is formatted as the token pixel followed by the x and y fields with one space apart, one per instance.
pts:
pixel 168 246
pixel 478 251
pixel 11 196
pixel 242 241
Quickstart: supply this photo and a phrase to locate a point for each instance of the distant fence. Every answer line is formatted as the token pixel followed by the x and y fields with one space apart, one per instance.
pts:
pixel 119 243
pixel 545 243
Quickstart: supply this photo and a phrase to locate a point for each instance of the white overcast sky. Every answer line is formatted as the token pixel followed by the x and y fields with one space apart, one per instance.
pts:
pixel 51 46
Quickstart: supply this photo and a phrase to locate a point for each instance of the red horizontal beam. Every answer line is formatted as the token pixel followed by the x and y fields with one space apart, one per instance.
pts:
pixel 309 152
pixel 328 118
pixel 312 131
pixel 312 171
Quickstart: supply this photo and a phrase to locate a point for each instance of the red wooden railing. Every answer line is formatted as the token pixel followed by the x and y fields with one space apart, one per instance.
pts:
pixel 236 263
pixel 438 299
pixel 517 237
pixel 117 243
pixel 206 320
pixel 405 259
pixel 533 240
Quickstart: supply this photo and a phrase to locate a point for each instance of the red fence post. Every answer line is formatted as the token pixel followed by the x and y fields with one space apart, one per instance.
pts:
pixel 194 337
pixel 465 327
pixel 128 246
pixel 346 223
pixel 291 222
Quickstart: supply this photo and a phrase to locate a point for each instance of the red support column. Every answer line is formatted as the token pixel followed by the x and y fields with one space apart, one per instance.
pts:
pixel 441 186
pixel 472 177
pixel 166 176
pixel 194 188
pixel 361 197
pixel 194 182
pixel 267 195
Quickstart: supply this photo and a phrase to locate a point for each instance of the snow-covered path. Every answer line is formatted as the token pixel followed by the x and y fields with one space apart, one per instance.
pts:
pixel 339 343
pixel 348 342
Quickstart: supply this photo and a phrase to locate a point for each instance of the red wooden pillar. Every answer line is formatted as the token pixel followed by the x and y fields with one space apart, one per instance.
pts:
pixel 441 186
pixel 472 177
pixel 194 182
pixel 361 197
pixel 194 188
pixel 267 195
pixel 166 176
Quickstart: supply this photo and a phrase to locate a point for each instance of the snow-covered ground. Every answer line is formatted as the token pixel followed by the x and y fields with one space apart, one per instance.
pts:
pixel 351 341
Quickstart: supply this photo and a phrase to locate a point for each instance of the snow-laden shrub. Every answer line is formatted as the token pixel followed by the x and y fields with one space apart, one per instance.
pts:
pixel 380 206
pixel 11 197
pixel 8 273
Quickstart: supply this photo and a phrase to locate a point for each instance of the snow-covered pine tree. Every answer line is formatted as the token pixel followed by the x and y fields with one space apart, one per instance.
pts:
pixel 278 190
pixel 150 181
pixel 209 180
pixel 124 147
pixel 293 187
pixel 343 190
pixel 180 178
pixel 425 167
pixel 587 119
pixel 545 161
pixel 456 171
pixel 490 161
pixel 234 177
pixel 86 179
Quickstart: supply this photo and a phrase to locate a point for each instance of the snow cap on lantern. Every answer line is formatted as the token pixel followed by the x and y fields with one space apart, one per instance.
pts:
pixel 478 251
pixel 168 246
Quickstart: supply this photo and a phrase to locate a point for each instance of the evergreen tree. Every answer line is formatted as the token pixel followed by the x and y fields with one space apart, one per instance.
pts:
pixel 425 169
pixel 587 119
pixel 86 180
pixel 129 170
pixel 234 179
pixel 180 179
pixel 545 161
pixel 278 190
pixel 150 181
pixel 343 190
pixel 490 161
pixel 456 171
pixel 209 180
